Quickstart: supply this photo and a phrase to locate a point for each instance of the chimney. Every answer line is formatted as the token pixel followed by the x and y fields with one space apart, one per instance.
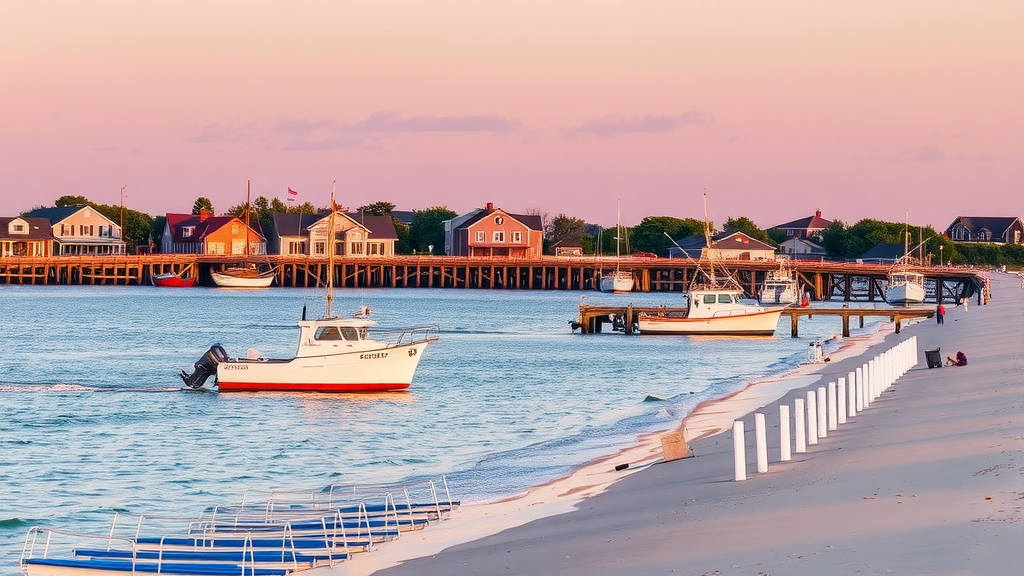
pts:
pixel 817 213
pixel 490 207
pixel 204 214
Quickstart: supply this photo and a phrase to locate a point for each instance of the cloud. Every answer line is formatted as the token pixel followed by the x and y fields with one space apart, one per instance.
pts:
pixel 392 121
pixel 329 134
pixel 609 126
pixel 927 154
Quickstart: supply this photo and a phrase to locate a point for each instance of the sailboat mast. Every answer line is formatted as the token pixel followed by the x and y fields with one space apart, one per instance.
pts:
pixel 707 240
pixel 248 215
pixel 330 255
pixel 618 233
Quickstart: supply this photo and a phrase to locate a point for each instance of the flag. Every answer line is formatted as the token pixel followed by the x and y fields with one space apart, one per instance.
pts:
pixel 291 194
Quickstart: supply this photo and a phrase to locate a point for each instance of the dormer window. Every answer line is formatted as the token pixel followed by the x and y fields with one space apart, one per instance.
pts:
pixel 17 227
pixel 187 231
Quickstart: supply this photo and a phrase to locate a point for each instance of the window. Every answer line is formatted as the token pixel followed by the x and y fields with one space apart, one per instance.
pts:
pixel 725 298
pixel 216 248
pixel 709 298
pixel 20 229
pixel 327 333
pixel 1016 236
pixel 499 236
pixel 517 237
pixel 498 220
pixel 319 248
pixel 481 236
pixel 373 249
pixel 357 248
pixel 789 232
pixel 186 232
pixel 234 229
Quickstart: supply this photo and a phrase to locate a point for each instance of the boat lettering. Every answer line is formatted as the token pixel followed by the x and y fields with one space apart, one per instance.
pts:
pixel 235 366
pixel 373 355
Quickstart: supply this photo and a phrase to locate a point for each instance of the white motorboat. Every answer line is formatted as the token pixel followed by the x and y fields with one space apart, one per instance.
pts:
pixel 780 286
pixel 905 287
pixel 335 354
pixel 715 305
pixel 620 281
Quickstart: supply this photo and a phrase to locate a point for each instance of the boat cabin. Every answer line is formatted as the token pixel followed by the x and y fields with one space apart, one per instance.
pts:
pixel 341 333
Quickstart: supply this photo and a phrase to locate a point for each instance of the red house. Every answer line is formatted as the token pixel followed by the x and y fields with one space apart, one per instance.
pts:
pixel 493 232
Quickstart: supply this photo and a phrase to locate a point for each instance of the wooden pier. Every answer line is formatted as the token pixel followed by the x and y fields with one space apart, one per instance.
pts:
pixel 592 319
pixel 844 281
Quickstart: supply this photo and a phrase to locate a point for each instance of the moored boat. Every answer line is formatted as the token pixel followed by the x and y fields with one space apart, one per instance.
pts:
pixel 780 286
pixel 619 281
pixel 243 277
pixel 172 280
pixel 714 305
pixel 905 287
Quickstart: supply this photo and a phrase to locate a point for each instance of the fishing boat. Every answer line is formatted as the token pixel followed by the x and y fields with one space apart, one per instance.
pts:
pixel 906 285
pixel 173 280
pixel 780 286
pixel 620 281
pixel 335 354
pixel 715 304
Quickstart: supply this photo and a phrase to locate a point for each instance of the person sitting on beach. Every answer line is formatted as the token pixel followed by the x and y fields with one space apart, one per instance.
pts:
pixel 960 360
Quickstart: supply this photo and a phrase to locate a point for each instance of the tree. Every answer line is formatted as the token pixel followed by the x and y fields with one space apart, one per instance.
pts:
pixel 71 201
pixel 202 203
pixel 566 228
pixel 747 226
pixel 377 208
pixel 427 228
pixel 649 234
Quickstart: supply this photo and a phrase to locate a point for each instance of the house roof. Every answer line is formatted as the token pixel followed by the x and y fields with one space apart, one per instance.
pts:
pixel 404 216
pixel 38 228
pixel 59 213
pixel 531 221
pixel 813 246
pixel 998 225
pixel 379 227
pixel 203 228
pixel 815 222
pixel 568 243
pixel 724 241
pixel 884 251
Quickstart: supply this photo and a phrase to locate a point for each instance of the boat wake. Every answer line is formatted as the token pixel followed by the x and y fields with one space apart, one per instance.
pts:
pixel 66 387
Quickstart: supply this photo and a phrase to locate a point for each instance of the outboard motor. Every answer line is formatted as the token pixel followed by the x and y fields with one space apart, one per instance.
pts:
pixel 205 367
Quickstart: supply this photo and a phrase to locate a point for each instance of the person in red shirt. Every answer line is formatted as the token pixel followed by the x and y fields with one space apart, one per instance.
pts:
pixel 940 313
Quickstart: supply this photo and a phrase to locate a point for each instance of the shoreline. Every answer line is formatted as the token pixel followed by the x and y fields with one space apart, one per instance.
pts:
pixel 565 494
pixel 925 480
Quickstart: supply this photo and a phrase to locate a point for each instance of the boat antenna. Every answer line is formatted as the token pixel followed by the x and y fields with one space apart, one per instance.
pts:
pixel 707 240
pixel 330 253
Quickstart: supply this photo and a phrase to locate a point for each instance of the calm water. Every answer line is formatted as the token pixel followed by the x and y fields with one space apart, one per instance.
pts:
pixel 93 418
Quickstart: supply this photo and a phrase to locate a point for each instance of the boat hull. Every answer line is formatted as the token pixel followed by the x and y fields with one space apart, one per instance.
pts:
pixel 229 281
pixel 380 370
pixel 173 281
pixel 617 283
pixel 906 293
pixel 749 324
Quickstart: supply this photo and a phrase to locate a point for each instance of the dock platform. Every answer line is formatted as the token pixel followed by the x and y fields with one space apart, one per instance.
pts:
pixel 591 319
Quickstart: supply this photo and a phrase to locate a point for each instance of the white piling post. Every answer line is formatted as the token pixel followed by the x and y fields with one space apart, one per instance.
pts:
pixel 812 418
pixel 833 409
pixel 912 355
pixel 822 413
pixel 784 441
pixel 739 450
pixel 799 418
pixel 854 405
pixel 869 379
pixel 860 390
pixel 841 399
pixel 761 442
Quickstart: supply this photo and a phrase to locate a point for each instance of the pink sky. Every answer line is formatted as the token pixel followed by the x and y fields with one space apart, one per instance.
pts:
pixel 865 109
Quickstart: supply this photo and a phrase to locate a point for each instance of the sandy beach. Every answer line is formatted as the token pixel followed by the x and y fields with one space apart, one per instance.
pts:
pixel 927 480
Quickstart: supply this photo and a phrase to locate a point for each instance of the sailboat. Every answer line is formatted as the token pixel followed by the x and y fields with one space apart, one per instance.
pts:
pixel 335 354
pixel 906 285
pixel 247 275
pixel 620 281
pixel 715 304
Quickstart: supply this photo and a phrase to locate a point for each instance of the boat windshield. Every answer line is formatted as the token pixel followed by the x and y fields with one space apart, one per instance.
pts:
pixel 725 299
pixel 339 333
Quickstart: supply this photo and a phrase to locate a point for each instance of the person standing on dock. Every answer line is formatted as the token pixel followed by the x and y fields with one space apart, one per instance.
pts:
pixel 940 314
